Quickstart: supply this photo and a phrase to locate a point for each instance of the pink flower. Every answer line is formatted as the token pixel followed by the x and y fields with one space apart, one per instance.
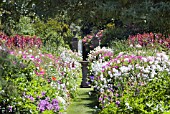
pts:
pixel 84 40
pixel 89 36
pixel 11 52
pixel 24 56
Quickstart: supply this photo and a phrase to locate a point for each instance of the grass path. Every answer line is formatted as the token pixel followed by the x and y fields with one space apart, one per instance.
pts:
pixel 83 103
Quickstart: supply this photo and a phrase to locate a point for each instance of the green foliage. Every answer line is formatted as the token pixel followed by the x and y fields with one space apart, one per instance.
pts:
pixel 113 34
pixel 25 27
pixel 33 88
pixel 11 70
pixel 54 33
pixel 147 99
pixel 20 87
pixel 12 10
pixel 111 109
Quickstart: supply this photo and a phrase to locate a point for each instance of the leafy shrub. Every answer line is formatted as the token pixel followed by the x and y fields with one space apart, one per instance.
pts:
pixel 25 26
pixel 11 69
pixel 112 34
pixel 53 32
pixel 151 98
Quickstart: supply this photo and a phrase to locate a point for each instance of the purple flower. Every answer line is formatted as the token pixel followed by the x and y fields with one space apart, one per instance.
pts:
pixel 46 105
pixel 10 108
pixel 38 97
pixel 49 80
pixel 117 103
pixel 47 98
pixel 56 108
pixel 92 77
pixel 31 98
pixel 100 99
pixel 55 102
pixel 116 67
pixel 117 94
pixel 43 93
pixel 49 106
pixel 43 105
pixel 24 94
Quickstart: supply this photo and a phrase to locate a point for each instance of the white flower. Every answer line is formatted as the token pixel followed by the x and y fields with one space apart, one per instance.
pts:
pixel 30 51
pixel 158 67
pixel 115 70
pixel 37 56
pixel 156 62
pixel 101 90
pixel 110 73
pixel 117 74
pixel 153 73
pixel 126 59
pixel 164 66
pixel 145 75
pixel 121 53
pixel 101 77
pixel 138 46
pixel 127 104
pixel 168 63
pixel 146 70
pixel 153 66
pixel 165 57
pixel 20 52
pixel 118 61
pixel 158 58
pixel 61 100
pixel 131 45
pixel 167 69
pixel 124 69
pixel 151 62
pixel 62 85
pixel 130 66
pixel 144 59
pixel 158 54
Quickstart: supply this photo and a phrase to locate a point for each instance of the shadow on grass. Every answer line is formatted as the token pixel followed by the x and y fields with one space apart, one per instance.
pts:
pixel 84 103
pixel 94 102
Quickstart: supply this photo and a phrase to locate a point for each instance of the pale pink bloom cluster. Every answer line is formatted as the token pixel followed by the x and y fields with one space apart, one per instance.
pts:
pixel 125 68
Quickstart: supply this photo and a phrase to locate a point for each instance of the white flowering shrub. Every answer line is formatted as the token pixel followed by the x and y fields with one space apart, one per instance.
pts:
pixel 111 77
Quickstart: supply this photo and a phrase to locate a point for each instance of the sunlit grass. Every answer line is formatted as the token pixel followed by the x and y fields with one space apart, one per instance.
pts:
pixel 84 103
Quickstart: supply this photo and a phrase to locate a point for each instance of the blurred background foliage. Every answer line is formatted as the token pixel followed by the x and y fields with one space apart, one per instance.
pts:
pixel 51 19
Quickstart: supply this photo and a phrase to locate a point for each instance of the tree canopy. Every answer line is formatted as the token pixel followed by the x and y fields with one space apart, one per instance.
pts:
pixel 91 13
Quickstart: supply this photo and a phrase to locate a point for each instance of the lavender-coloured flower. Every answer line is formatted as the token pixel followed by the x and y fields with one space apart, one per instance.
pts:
pixel 43 93
pixel 47 98
pixel 43 105
pixel 56 108
pixel 10 108
pixel 92 78
pixel 49 106
pixel 100 99
pixel 31 98
pixel 54 102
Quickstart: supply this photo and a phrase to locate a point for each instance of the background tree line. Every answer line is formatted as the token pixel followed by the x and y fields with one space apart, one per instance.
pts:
pixel 120 18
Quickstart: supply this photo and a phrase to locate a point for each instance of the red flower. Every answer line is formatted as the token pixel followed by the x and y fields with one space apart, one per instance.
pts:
pixel 53 78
